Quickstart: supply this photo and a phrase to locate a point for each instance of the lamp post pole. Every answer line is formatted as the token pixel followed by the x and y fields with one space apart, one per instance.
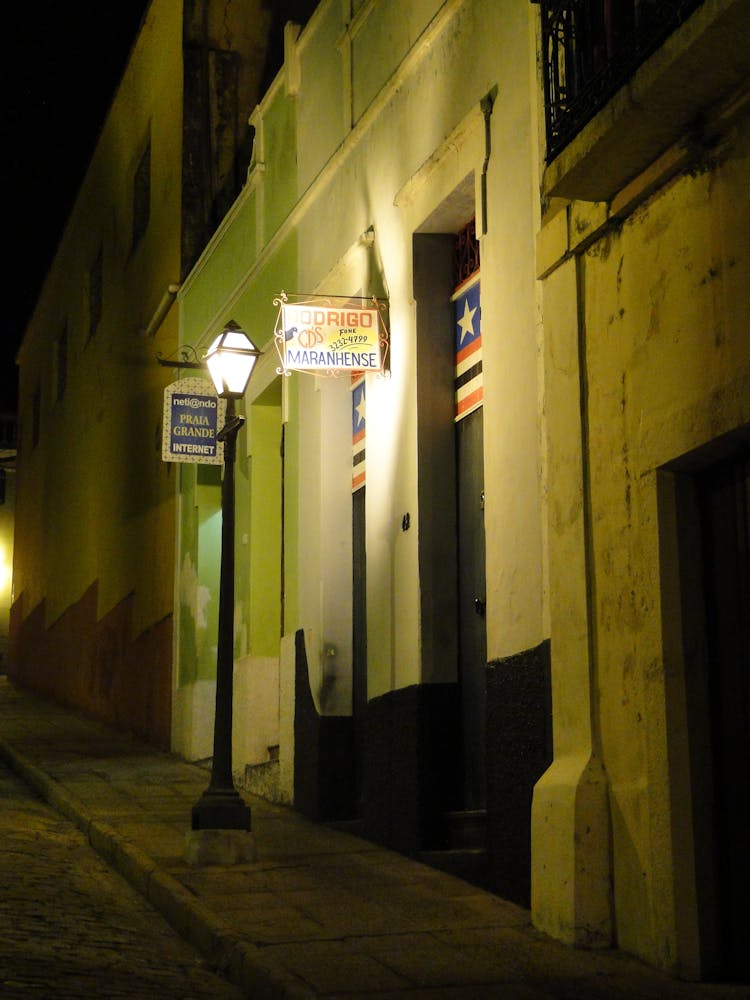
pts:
pixel 221 807
pixel 230 360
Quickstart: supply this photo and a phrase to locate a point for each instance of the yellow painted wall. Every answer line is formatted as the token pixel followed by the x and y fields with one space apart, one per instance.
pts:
pixel 96 500
pixel 669 355
pixel 649 316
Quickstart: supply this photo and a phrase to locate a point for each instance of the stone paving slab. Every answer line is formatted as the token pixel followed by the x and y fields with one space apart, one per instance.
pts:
pixel 321 913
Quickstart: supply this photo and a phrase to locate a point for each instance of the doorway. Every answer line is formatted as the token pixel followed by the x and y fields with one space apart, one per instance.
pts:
pixel 359 585
pixel 708 500
pixel 472 632
pixel 724 509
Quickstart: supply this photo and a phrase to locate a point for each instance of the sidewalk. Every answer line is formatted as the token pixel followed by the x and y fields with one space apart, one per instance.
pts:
pixel 321 913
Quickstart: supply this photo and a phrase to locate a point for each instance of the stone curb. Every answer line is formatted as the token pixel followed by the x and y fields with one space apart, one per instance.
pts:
pixel 241 962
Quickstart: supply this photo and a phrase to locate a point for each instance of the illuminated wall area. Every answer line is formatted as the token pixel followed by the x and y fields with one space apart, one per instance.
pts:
pixel 520 527
pixel 351 648
pixel 644 263
pixel 491 591
pixel 7 519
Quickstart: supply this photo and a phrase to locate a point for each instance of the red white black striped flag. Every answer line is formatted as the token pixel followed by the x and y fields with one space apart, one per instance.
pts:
pixel 468 329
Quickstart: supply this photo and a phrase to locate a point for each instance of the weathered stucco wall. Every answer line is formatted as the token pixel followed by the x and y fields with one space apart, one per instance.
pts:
pixel 668 356
pixel 647 359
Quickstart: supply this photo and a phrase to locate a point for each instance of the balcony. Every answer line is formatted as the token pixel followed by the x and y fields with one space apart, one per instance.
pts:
pixel 591 48
pixel 625 79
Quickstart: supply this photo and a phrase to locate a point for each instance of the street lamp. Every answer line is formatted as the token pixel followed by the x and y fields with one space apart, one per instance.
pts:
pixel 230 360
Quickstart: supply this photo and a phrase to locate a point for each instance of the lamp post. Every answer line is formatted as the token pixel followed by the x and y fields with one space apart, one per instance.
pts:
pixel 230 360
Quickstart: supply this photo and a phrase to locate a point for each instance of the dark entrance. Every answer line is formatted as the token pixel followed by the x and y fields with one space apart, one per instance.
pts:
pixel 705 508
pixel 471 604
pixel 724 510
pixel 359 582
pixel 469 444
pixel 359 640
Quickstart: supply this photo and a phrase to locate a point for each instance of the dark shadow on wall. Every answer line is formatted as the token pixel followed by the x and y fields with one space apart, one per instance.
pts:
pixel 413 770
pixel 323 751
pixel 519 751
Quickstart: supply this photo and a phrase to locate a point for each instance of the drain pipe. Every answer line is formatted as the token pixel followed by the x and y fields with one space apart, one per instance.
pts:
pixel 486 105
pixel 161 310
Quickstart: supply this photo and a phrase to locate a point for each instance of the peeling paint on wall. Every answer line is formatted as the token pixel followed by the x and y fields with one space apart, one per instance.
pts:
pixel 194 596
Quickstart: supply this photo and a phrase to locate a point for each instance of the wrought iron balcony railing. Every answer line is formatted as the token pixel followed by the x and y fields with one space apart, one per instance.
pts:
pixel 591 48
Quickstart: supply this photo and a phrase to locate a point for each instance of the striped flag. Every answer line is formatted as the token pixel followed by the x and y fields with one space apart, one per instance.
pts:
pixel 469 388
pixel 358 430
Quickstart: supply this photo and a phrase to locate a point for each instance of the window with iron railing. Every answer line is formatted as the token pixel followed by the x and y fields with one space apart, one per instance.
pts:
pixel 466 256
pixel 591 48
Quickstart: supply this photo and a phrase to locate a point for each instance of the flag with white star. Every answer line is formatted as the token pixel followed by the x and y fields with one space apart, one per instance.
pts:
pixel 358 431
pixel 469 388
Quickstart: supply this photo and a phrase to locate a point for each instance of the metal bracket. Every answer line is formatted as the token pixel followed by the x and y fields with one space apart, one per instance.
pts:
pixel 184 361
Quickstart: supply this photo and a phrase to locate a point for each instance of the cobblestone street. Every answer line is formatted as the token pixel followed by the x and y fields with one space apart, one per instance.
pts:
pixel 70 927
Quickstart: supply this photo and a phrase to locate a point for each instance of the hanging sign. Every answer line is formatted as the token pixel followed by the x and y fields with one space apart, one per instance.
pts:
pixel 324 337
pixel 193 414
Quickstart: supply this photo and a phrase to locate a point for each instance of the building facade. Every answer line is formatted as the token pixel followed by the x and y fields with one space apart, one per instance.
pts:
pixel 491 595
pixel 643 255
pixel 390 629
pixel 534 521
pixel 91 621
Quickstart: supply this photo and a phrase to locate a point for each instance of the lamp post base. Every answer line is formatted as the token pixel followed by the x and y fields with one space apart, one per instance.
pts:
pixel 221 809
pixel 220 847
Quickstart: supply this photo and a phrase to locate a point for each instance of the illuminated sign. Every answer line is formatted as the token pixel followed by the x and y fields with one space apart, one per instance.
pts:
pixel 322 337
pixel 193 414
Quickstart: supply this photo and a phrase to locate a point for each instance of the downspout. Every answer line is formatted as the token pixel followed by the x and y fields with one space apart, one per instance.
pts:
pixel 161 310
pixel 486 104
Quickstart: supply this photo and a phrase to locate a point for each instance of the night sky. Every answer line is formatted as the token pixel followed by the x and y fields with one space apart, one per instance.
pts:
pixel 61 64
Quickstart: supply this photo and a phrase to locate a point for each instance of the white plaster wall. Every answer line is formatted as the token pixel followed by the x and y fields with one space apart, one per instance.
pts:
pixel 448 65
pixel 193 711
pixel 255 721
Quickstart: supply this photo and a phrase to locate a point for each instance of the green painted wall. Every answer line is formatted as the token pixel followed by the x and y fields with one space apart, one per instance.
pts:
pixel 227 284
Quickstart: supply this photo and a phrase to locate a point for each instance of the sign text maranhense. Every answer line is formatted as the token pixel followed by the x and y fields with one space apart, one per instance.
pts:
pixel 324 338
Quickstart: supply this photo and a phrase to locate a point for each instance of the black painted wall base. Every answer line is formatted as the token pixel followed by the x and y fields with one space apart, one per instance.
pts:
pixel 413 776
pixel 519 751
pixel 323 752
pixel 412 772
